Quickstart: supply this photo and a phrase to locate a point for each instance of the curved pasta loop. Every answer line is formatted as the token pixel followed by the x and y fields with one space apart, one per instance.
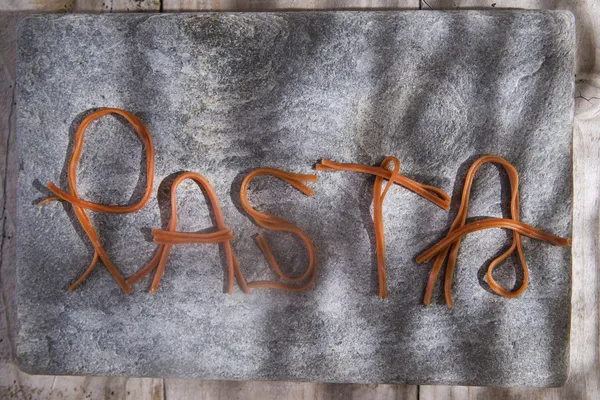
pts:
pixel 80 206
pixel 169 237
pixel 274 223
pixel 431 193
pixel 449 246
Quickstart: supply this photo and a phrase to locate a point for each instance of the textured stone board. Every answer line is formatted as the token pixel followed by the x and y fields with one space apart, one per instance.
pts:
pixel 225 93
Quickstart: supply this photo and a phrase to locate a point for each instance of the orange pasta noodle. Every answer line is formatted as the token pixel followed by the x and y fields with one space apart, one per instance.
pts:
pixel 80 206
pixel 431 193
pixel 436 195
pixel 269 222
pixel 449 246
pixel 169 237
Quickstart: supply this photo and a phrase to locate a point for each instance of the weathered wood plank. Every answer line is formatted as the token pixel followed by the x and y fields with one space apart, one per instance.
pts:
pixel 266 5
pixel 135 6
pixel 36 5
pixel 25 386
pixel 225 390
pixel 444 392
pixel 80 6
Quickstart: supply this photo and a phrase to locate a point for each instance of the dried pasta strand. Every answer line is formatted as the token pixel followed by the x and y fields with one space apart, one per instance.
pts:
pixel 169 237
pixel 449 246
pixel 274 223
pixel 378 198
pixel 86 273
pixel 431 193
pixel 80 206
pixel 436 195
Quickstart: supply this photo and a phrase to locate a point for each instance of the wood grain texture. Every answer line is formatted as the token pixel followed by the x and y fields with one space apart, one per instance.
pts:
pixel 79 5
pixel 584 380
pixel 191 389
pixel 135 6
pixel 266 5
pixel 194 5
pixel 35 5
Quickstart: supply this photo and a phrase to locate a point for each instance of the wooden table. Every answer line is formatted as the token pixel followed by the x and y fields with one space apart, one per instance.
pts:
pixel 584 380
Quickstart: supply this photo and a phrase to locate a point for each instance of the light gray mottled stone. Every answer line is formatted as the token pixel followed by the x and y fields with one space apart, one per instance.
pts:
pixel 226 93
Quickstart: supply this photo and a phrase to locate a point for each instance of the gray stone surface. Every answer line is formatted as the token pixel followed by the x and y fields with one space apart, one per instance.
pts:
pixel 225 93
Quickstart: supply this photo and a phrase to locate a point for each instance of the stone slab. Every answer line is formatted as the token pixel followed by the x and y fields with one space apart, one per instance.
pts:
pixel 225 93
